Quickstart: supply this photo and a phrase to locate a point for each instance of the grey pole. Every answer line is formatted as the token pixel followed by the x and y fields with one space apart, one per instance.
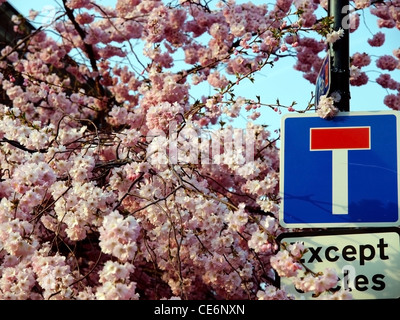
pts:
pixel 339 52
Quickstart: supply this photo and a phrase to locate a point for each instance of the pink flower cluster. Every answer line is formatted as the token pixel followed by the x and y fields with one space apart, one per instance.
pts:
pixel 287 263
pixel 53 275
pixel 118 236
pixel 388 14
pixel 326 107
pixel 317 284
pixel 377 40
pixel 115 282
pixel 387 62
pixel 334 36
pixel 386 81
pixel 393 101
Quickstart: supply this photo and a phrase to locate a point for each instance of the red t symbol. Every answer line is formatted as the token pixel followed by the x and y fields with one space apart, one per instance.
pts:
pixel 339 141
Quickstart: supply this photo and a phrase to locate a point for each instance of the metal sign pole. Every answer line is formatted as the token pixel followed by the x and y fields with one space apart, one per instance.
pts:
pixel 339 52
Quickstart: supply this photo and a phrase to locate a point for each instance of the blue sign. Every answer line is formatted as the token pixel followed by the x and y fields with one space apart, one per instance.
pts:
pixel 342 172
pixel 323 80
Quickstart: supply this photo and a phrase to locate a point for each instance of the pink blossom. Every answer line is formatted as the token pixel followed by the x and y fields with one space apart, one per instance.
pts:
pixel 354 22
pixel 238 218
pixel 335 35
pixel 318 283
pixel 77 4
pixel 360 80
pixel 17 282
pixel 296 249
pixel 84 18
pixel 116 284
pixel 118 236
pixel 53 275
pixel 326 107
pixel 392 101
pixel 33 14
pixel 338 295
pixel 360 59
pixel 387 62
pixel 377 40
pixel 386 81
pixel 284 264
pixel 217 80
pixel 160 116
pixel 362 3
pixel 396 53
pixel 354 72
pixel 272 293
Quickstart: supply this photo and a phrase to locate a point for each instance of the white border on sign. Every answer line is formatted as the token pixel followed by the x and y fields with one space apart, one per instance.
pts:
pixel 344 224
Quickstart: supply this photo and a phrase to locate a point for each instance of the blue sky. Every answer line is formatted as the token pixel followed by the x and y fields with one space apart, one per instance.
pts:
pixel 283 81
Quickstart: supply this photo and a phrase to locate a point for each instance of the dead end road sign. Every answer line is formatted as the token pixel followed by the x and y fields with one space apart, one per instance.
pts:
pixel 342 172
pixel 366 261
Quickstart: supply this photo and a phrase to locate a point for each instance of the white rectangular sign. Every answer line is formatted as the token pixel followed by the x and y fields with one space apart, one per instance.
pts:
pixel 366 261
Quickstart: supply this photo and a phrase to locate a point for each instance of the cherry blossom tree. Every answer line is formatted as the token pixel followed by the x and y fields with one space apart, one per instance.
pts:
pixel 118 180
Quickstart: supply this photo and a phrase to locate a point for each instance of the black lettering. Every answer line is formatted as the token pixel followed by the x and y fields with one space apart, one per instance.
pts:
pixel 376 279
pixel 315 254
pixel 359 281
pixel 382 245
pixel 298 290
pixel 348 251
pixel 328 257
pixel 337 288
pixel 346 280
pixel 363 257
